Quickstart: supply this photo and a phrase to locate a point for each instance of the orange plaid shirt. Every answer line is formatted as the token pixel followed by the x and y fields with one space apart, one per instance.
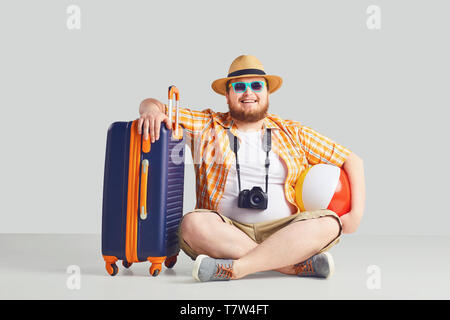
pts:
pixel 297 145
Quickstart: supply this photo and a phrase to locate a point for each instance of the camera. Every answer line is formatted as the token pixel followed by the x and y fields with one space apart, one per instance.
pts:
pixel 253 199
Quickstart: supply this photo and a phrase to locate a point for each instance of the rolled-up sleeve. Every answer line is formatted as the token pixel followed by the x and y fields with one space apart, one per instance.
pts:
pixel 193 121
pixel 320 149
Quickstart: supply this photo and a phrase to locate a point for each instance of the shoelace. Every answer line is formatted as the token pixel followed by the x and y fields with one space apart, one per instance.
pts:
pixel 224 271
pixel 304 268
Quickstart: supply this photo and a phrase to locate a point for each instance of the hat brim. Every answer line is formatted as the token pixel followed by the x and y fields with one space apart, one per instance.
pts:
pixel 274 82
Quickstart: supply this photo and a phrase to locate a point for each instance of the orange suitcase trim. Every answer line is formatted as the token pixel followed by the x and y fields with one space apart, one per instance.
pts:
pixel 132 201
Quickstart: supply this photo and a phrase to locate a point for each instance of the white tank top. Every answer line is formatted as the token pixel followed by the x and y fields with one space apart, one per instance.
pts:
pixel 252 171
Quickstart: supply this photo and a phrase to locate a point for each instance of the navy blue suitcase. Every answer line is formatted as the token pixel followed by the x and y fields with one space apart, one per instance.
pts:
pixel 142 197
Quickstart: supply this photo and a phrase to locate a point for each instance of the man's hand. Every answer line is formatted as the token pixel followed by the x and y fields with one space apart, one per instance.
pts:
pixel 152 114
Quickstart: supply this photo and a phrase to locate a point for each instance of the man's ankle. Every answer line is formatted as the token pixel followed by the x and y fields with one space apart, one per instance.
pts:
pixel 237 270
pixel 290 270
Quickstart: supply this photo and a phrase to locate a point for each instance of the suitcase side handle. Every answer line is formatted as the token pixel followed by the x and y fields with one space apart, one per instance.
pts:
pixel 144 180
pixel 173 91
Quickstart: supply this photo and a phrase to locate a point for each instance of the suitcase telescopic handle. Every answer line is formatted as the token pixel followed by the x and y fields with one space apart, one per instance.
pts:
pixel 144 180
pixel 173 91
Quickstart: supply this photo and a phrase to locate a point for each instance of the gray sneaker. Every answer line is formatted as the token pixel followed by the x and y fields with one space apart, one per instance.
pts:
pixel 321 265
pixel 210 269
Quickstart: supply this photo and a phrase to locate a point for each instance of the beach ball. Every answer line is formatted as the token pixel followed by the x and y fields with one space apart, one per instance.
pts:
pixel 323 186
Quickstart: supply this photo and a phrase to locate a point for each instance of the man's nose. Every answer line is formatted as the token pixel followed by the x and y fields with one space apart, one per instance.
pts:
pixel 248 90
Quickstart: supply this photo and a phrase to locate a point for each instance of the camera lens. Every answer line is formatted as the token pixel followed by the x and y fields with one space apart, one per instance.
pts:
pixel 256 199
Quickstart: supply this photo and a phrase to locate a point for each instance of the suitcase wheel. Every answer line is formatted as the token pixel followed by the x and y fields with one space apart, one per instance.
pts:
pixel 112 268
pixel 170 262
pixel 126 264
pixel 155 269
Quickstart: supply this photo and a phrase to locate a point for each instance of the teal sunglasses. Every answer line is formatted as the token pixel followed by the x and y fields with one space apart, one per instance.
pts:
pixel 240 87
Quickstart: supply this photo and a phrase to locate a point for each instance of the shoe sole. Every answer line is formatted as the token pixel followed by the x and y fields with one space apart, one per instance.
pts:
pixel 330 263
pixel 197 263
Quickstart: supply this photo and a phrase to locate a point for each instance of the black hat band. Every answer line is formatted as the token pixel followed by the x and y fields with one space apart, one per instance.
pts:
pixel 246 71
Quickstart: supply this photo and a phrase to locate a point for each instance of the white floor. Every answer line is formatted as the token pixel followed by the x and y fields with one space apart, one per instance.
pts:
pixel 36 266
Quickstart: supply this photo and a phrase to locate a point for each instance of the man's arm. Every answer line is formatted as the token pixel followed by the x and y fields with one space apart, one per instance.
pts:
pixel 152 113
pixel 354 168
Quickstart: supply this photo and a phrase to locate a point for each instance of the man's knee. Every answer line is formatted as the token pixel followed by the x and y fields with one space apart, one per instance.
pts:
pixel 330 227
pixel 326 228
pixel 195 224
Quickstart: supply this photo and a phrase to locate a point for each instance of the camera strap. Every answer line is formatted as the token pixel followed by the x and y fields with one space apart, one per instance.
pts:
pixel 266 145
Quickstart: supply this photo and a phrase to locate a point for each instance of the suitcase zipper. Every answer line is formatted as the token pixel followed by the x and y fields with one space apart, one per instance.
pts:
pixel 133 194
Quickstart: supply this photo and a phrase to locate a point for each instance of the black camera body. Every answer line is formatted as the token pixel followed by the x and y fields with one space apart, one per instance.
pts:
pixel 255 198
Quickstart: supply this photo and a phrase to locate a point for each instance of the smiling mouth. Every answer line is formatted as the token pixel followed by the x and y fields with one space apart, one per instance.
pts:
pixel 248 101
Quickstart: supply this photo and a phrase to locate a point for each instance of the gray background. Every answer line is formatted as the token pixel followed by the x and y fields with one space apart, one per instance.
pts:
pixel 382 93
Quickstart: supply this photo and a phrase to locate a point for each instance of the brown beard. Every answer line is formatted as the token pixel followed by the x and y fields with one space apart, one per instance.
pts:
pixel 249 116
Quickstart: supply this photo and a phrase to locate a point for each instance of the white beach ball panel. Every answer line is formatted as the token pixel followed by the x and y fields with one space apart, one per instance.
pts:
pixel 319 186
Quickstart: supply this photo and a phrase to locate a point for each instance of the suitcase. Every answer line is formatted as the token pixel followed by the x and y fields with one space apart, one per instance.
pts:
pixel 142 195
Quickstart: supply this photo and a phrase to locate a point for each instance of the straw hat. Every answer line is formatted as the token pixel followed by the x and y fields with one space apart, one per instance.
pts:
pixel 246 66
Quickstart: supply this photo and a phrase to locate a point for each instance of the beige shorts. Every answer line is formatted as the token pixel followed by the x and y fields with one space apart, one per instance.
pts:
pixel 259 232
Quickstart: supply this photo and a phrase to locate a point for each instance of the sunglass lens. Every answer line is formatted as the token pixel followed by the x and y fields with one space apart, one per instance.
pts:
pixel 239 87
pixel 257 86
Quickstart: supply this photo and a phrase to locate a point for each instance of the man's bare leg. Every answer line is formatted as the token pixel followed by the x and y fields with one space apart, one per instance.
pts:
pixel 292 244
pixel 206 233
